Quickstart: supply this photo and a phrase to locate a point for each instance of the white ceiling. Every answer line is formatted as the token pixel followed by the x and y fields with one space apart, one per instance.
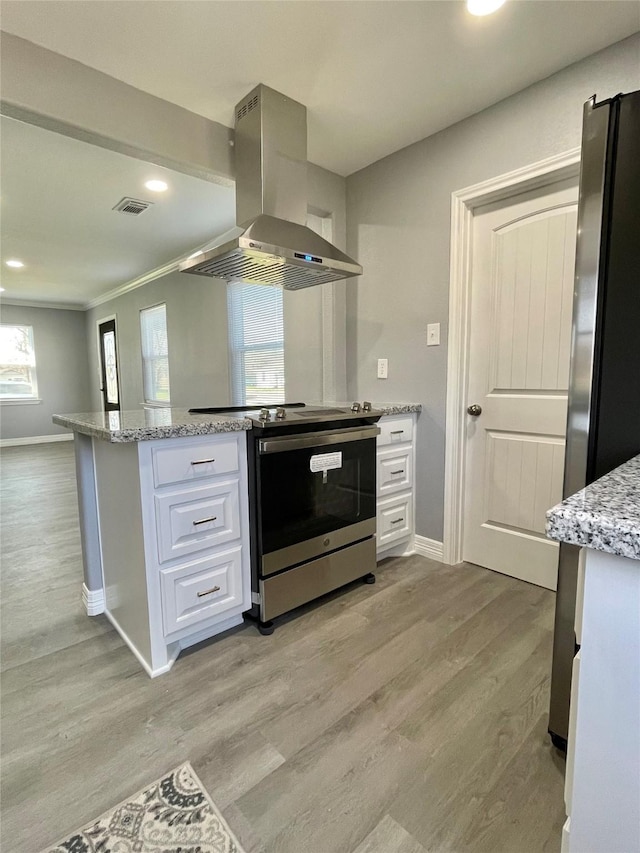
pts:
pixel 375 76
pixel 57 217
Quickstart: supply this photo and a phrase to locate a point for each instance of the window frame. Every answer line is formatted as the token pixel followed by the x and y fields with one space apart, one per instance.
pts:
pixel 33 375
pixel 237 354
pixel 147 359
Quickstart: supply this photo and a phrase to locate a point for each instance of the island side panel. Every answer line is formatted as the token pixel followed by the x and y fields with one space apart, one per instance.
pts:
pixel 92 588
pixel 605 796
pixel 123 559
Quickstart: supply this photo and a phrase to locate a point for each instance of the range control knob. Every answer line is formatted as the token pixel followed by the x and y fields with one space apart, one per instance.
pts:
pixel 265 415
pixel 366 406
pixel 355 407
pixel 281 413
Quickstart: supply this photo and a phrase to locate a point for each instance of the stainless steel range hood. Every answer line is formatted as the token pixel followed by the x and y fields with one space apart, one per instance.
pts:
pixel 272 246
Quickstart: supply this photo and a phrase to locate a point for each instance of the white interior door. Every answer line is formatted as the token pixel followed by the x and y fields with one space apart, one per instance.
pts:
pixel 520 336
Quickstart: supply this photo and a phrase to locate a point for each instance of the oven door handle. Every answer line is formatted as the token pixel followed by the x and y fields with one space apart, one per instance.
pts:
pixel 315 439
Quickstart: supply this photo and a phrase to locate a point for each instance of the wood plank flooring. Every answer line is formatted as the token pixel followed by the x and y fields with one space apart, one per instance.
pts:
pixel 404 717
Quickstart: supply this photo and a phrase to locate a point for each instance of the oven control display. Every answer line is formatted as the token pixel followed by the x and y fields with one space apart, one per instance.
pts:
pixel 326 461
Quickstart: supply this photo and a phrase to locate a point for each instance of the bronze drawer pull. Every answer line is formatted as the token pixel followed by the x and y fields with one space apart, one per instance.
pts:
pixel 397 521
pixel 203 461
pixel 208 591
pixel 401 471
pixel 205 520
pixel 396 432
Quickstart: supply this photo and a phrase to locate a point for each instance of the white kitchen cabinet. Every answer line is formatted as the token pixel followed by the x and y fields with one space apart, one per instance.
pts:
pixel 198 517
pixel 395 470
pixel 395 520
pixel 395 485
pixel 214 455
pixel 174 537
pixel 602 791
pixel 197 590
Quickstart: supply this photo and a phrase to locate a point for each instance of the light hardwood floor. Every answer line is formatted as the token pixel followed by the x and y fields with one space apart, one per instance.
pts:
pixel 404 717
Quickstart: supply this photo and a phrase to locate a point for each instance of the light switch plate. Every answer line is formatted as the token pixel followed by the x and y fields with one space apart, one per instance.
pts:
pixel 383 368
pixel 433 334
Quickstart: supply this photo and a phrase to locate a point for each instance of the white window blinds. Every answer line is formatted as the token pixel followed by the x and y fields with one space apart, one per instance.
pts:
pixel 256 343
pixel 17 363
pixel 155 354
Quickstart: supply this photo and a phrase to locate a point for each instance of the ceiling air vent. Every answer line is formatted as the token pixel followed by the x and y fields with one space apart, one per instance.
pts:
pixel 132 206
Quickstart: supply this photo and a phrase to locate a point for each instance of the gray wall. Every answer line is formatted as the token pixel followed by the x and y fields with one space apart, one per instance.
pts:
pixel 61 367
pixel 51 91
pixel 398 214
pixel 197 333
pixel 315 343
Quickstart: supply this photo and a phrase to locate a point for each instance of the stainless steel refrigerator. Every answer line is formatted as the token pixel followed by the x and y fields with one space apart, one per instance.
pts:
pixel 603 425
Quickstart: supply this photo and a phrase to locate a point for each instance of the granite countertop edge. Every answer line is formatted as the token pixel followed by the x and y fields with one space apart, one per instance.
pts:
pixel 186 424
pixel 130 434
pixel 398 408
pixel 604 516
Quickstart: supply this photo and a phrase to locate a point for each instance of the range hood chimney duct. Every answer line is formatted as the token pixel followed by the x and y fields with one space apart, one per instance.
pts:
pixel 272 244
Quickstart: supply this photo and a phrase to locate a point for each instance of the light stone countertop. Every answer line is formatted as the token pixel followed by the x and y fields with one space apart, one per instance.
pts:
pixel 149 424
pixel 604 516
pixel 397 408
pixel 385 408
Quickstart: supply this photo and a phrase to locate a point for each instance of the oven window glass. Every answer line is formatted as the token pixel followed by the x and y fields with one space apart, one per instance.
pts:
pixel 299 503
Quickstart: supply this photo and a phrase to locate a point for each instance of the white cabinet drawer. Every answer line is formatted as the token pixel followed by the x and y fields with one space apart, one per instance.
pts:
pixel 395 470
pixel 201 589
pixel 195 460
pixel 199 517
pixel 395 430
pixel 395 519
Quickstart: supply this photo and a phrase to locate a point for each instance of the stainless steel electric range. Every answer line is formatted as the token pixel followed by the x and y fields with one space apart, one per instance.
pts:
pixel 312 499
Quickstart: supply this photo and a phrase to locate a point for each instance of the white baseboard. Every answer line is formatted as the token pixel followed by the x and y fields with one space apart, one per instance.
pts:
pixel 35 439
pixel 93 600
pixel 428 547
pixel 152 673
pixel 406 548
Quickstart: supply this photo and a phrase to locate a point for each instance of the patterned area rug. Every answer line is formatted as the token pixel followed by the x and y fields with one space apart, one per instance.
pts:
pixel 173 815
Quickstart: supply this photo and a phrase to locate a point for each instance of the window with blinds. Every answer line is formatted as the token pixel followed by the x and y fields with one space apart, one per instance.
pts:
pixel 256 343
pixel 155 354
pixel 17 363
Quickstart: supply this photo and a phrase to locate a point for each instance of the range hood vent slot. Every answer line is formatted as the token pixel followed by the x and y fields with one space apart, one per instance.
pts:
pixel 256 270
pixel 132 206
pixel 244 109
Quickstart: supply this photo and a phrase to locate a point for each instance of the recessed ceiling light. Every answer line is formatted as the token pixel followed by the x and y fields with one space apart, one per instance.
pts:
pixel 15 264
pixel 157 186
pixel 483 7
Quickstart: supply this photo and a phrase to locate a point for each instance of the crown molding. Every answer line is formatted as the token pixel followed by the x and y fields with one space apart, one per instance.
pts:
pixel 31 303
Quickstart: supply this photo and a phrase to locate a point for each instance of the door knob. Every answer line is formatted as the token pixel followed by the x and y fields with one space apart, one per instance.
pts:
pixel 474 410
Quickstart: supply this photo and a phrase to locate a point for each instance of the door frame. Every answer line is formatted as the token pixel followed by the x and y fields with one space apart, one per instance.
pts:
pixel 463 204
pixel 99 322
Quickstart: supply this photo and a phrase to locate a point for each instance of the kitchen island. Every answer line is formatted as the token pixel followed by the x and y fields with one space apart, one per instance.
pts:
pixel 602 790
pixel 164 519
pixel 164 523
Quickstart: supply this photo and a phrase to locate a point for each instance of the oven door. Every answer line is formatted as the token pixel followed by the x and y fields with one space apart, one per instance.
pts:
pixel 316 493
